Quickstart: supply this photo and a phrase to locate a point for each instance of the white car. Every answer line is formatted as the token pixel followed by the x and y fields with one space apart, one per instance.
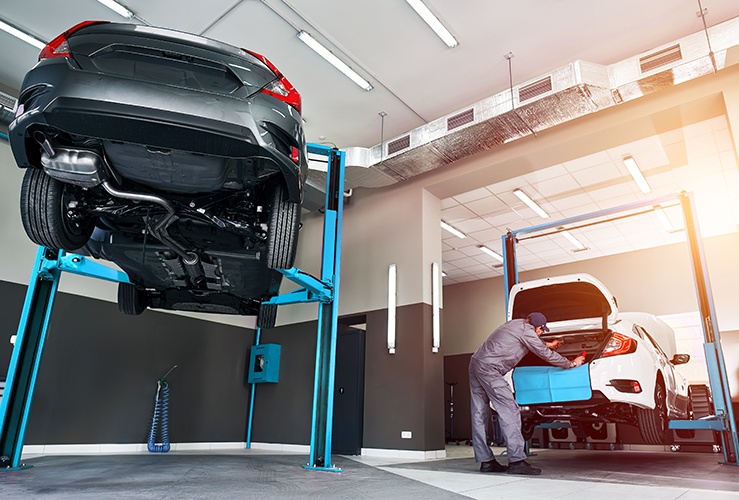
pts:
pixel 629 374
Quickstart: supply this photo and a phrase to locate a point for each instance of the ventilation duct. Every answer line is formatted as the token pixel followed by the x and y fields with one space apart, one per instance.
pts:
pixel 7 108
pixel 575 90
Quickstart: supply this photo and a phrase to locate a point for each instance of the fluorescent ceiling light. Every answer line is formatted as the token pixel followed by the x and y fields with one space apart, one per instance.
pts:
pixel 335 61
pixel 633 169
pixel 22 36
pixel 663 219
pixel 392 303
pixel 531 203
pixel 435 306
pixel 433 22
pixel 456 232
pixel 491 253
pixel 117 8
pixel 577 243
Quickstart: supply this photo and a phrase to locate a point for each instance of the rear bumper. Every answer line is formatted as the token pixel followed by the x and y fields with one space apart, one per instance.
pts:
pixel 104 107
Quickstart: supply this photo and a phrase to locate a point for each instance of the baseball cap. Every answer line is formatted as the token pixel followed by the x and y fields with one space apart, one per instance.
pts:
pixel 538 319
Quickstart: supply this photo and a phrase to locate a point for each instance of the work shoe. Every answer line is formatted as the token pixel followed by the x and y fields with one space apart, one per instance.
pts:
pixel 523 467
pixel 492 466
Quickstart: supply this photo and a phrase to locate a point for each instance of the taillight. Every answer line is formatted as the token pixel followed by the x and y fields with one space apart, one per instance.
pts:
pixel 59 46
pixel 294 154
pixel 619 344
pixel 280 88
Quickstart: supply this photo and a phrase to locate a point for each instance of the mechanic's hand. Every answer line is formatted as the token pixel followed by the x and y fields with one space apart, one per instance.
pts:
pixel 578 360
pixel 554 344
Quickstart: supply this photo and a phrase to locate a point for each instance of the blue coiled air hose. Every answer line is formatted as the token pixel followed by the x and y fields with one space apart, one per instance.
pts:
pixel 161 418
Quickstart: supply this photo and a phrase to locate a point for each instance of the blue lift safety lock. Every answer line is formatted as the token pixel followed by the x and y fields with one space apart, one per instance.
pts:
pixel 20 383
pixel 325 291
pixel 724 419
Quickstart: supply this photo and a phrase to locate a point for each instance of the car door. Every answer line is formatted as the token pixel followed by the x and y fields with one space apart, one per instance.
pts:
pixel 667 369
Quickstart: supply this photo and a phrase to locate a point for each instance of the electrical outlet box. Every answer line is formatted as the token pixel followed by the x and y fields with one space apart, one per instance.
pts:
pixel 264 363
pixel 406 434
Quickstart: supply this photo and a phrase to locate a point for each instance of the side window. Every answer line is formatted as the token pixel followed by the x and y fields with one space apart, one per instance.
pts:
pixel 639 331
pixel 654 343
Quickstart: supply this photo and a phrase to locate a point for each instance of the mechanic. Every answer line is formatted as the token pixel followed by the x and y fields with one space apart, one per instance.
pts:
pixel 498 355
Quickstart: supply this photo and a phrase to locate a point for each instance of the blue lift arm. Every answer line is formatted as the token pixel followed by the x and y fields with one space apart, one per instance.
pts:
pixel 724 420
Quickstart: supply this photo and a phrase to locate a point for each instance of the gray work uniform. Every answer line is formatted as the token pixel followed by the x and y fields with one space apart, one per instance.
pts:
pixel 498 355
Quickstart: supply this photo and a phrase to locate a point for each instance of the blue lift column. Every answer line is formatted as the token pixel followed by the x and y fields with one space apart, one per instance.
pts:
pixel 20 383
pixel 723 420
pixel 325 291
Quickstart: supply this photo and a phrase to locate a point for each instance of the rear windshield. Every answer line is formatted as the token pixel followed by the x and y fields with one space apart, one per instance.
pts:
pixel 180 70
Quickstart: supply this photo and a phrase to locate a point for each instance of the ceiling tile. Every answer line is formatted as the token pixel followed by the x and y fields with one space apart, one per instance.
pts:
pixel 452 255
pixel 448 203
pixel 486 206
pixel 506 186
pixel 503 219
pixel 599 173
pixel 545 174
pixel 575 201
pixel 728 160
pixel 472 225
pixel 489 236
pixel 480 268
pixel 455 214
pixel 618 201
pixel 473 195
pixel 587 161
pixel 556 185
pixel 613 191
pixel 472 251
pixel 563 258
pixel 465 262
pixel 661 180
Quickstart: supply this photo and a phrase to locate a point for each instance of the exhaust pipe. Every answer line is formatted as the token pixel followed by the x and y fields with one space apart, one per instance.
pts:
pixel 190 260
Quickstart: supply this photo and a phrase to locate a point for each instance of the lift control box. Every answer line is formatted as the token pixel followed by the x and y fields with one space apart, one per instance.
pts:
pixel 264 363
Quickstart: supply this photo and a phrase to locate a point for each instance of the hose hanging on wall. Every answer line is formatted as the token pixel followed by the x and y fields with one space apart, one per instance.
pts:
pixel 161 417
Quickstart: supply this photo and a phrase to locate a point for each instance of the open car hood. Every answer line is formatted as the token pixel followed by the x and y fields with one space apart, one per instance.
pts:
pixel 563 298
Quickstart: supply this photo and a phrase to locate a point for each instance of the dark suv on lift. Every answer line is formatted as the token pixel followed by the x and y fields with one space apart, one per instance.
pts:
pixel 179 158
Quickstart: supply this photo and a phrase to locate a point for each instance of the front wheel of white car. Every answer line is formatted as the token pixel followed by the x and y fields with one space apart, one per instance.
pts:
pixel 653 423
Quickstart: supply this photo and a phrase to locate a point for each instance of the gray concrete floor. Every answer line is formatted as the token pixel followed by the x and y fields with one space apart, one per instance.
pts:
pixel 246 474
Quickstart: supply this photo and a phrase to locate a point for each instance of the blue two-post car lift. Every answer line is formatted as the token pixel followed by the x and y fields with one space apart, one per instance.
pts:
pixel 25 361
pixel 723 420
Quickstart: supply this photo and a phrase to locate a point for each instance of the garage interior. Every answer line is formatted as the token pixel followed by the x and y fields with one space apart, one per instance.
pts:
pixel 539 97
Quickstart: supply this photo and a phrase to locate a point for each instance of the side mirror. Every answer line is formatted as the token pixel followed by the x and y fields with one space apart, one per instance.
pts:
pixel 680 359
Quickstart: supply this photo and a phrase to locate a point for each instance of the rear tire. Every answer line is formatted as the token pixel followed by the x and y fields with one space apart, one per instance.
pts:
pixel 282 238
pixel 132 300
pixel 44 213
pixel 653 423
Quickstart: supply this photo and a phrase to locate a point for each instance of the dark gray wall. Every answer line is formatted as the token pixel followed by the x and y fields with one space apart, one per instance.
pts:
pixel 403 391
pixel 97 380
pixel 98 377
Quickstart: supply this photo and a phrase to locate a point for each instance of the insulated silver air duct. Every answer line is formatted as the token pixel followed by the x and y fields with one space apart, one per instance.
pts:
pixel 567 93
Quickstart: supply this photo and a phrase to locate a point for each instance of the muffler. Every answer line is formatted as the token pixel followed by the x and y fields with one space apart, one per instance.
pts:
pixel 80 167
